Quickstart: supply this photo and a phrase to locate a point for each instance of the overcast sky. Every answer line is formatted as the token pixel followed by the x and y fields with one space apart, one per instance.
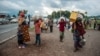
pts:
pixel 45 7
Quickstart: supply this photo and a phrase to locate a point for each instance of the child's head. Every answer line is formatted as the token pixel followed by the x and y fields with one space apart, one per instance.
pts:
pixel 62 20
pixel 36 21
pixel 40 19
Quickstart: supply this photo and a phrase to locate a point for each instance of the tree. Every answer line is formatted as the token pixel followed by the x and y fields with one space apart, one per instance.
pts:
pixel 58 14
pixel 67 14
pixel 14 16
pixel 49 16
pixel 54 14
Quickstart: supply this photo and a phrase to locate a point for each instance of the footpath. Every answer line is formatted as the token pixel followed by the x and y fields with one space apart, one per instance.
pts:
pixel 51 46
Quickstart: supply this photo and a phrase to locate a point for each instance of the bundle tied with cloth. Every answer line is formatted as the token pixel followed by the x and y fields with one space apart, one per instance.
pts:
pixel 43 26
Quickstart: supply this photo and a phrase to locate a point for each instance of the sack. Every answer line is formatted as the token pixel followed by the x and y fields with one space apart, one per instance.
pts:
pixel 83 42
pixel 42 25
pixel 45 28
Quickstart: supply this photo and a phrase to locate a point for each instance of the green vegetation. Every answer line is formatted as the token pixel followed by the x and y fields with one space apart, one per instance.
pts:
pixel 31 29
pixel 59 13
pixel 98 21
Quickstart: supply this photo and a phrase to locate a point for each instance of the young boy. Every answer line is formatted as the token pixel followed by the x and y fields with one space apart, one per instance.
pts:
pixel 20 38
pixel 62 29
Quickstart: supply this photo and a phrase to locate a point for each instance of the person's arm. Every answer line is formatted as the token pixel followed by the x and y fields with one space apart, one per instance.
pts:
pixel 19 20
pixel 40 24
pixel 65 24
pixel 74 26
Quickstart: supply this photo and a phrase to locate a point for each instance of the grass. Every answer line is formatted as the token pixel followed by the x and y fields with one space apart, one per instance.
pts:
pixel 31 29
pixel 98 21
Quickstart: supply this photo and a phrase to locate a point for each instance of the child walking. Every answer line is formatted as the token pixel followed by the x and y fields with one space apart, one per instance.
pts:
pixel 62 29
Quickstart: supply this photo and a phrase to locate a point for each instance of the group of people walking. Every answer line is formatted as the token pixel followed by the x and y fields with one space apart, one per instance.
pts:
pixel 23 33
pixel 39 26
pixel 77 30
